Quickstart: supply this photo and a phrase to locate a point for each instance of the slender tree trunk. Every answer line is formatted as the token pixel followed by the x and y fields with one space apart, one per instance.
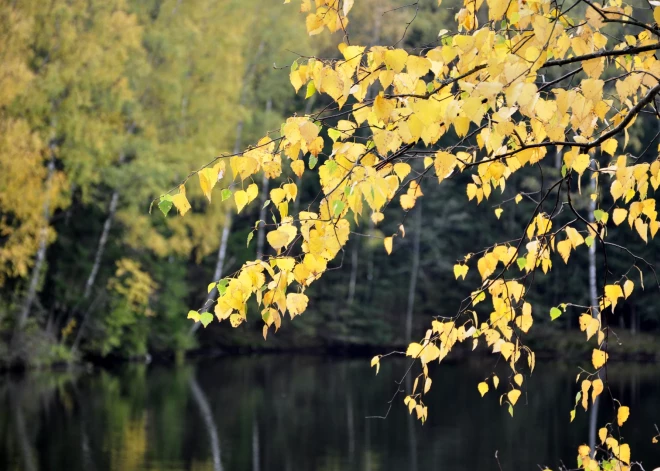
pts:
pixel 350 423
pixel 29 462
pixel 103 240
pixel 238 143
pixel 593 299
pixel 207 416
pixel 41 251
pixel 414 272
pixel 256 450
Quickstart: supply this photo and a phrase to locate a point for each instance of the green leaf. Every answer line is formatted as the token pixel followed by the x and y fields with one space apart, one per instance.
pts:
pixel 510 410
pixel 226 194
pixel 206 318
pixel 554 313
pixel 266 203
pixel 311 89
pixel 430 87
pixel 334 134
pixel 337 207
pixel 312 161
pixel 578 396
pixel 589 241
pixel 249 238
pixel 294 66
pixel 266 316
pixel 210 287
pixel 222 286
pixel 599 214
pixel 332 166
pixel 165 204
pixel 194 315
pixel 522 263
pixel 563 171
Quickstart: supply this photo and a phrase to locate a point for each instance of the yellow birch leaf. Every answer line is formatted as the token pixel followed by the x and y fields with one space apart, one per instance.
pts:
pixel 414 350
pixel 609 146
pixel 427 385
pixel 277 239
pixel 296 303
pixel 585 386
pixel 641 227
pixel 624 453
pixel 298 167
pixel 496 381
pixel 598 358
pixel 241 199
pixel 483 388
pixel 596 389
pixel 656 15
pixel 572 415
pixel 507 350
pixel 252 192
pixel 518 379
pixel 622 415
pixel 388 245
pixel 498 212
pixel 619 215
pixel 429 353
pixel 564 249
pixel 602 434
pixel 181 203
pixel 628 287
pixel 402 170
pixel 460 270
pixel 513 396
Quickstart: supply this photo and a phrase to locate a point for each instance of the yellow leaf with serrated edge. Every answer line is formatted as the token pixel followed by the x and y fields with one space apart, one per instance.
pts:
pixel 296 303
pixel 507 350
pixel 596 389
pixel 598 358
pixel 252 192
pixel 460 270
pixel 622 415
pixel 402 170
pixel 628 287
pixel 298 167
pixel 181 203
pixel 388 245
pixel 513 396
pixel 602 434
pixel 619 215
pixel 624 453
pixel 642 228
pixel 483 388
pixel 589 324
pixel 564 249
pixel 208 177
pixel 414 350
pixel 241 199
pixel 609 146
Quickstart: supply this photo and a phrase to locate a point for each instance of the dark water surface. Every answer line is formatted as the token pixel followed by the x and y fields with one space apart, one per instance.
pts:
pixel 285 413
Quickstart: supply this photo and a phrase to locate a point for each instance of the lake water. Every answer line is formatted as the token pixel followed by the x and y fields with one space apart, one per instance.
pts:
pixel 282 412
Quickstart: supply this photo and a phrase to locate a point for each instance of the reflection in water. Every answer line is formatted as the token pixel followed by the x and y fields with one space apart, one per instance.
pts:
pixel 272 413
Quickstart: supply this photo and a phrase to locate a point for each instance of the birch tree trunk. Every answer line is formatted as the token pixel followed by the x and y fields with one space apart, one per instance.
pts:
pixel 229 215
pixel 41 251
pixel 414 271
pixel 593 300
pixel 103 240
pixel 207 416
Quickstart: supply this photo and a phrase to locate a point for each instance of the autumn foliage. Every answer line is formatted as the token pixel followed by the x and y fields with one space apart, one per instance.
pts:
pixel 512 83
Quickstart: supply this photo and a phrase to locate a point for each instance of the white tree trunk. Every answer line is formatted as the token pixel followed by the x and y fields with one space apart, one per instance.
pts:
pixel 41 251
pixel 207 415
pixel 103 240
pixel 593 300
pixel 261 232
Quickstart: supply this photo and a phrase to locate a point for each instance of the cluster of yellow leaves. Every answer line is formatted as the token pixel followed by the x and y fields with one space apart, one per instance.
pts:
pixel 487 83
